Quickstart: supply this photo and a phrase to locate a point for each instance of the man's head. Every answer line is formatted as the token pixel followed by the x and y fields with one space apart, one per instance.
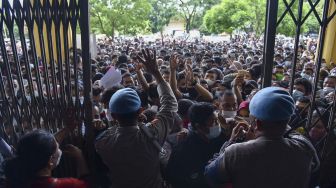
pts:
pixel 271 109
pixel 330 81
pixel 210 77
pixel 125 106
pixel 203 120
pixel 183 107
pixel 127 80
pixel 303 85
pixel 229 104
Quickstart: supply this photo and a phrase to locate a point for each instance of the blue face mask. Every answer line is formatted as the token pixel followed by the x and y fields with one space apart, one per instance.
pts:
pixel 214 132
pixel 297 94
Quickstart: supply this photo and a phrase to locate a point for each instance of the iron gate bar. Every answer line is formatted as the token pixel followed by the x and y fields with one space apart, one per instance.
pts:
pixel 22 108
pixel 319 58
pixel 13 106
pixel 313 9
pixel 269 41
pixel 288 9
pixel 40 99
pixel 19 20
pixel 66 53
pixel 332 15
pixel 57 15
pixel 296 44
pixel 73 23
pixel 55 99
pixel 89 130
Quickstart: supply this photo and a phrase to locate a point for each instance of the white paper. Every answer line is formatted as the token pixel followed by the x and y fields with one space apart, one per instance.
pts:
pixel 111 78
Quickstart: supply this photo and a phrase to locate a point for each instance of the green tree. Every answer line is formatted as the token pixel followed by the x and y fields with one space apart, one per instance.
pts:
pixel 161 14
pixel 124 16
pixel 193 10
pixel 227 16
pixel 250 14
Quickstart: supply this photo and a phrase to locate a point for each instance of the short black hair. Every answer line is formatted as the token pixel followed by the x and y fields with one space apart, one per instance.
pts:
pixel 107 94
pixel 183 107
pixel 199 113
pixel 256 71
pixel 305 83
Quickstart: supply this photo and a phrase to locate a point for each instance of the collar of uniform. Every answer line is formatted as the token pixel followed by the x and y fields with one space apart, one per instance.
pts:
pixel 265 138
pixel 128 128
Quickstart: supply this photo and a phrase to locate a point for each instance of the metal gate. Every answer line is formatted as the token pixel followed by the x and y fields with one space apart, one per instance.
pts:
pixel 273 19
pixel 43 71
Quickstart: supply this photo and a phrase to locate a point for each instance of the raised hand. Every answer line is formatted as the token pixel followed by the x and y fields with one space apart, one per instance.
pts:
pixel 138 66
pixel 149 62
pixel 173 62
pixel 189 74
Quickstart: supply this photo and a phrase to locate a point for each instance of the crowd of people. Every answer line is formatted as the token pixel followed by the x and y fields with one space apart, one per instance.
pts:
pixel 194 115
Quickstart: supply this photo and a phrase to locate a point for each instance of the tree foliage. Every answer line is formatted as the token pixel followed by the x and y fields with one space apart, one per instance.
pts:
pixel 162 12
pixel 193 10
pixel 249 15
pixel 124 16
pixel 227 16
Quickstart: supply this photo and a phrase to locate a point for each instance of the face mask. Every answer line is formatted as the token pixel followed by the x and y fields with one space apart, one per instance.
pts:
pixel 214 132
pixel 306 76
pixel 210 82
pixel 155 108
pixel 229 114
pixel 57 157
pixel 218 94
pixel 297 94
pixel 288 63
pixel 279 76
pixel 327 90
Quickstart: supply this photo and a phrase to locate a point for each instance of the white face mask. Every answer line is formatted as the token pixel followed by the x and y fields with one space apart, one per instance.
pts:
pixel 306 76
pixel 210 82
pixel 327 90
pixel 155 108
pixel 229 114
pixel 57 157
pixel 218 94
pixel 214 132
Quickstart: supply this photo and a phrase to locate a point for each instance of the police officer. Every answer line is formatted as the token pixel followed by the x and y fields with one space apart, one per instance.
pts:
pixel 269 159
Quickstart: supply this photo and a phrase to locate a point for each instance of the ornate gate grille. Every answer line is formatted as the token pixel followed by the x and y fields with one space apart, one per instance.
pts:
pixel 43 72
pixel 273 19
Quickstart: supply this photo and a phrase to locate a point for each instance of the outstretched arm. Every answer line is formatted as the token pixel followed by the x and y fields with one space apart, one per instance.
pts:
pixel 168 101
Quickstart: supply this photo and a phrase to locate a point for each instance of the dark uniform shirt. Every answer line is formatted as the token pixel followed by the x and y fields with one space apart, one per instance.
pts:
pixel 131 156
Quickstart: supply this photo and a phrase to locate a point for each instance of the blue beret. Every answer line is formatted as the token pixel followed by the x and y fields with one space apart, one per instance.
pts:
pixel 272 104
pixel 124 101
